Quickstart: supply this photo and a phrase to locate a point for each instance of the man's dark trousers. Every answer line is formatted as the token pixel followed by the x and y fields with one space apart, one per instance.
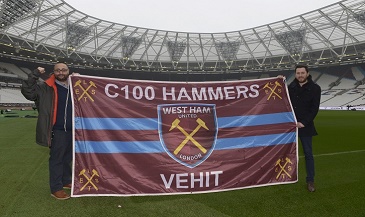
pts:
pixel 60 160
pixel 308 154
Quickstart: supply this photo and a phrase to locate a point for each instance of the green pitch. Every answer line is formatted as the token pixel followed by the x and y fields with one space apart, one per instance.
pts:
pixel 340 180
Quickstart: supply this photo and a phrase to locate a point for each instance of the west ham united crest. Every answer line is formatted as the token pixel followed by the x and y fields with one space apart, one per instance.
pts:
pixel 188 132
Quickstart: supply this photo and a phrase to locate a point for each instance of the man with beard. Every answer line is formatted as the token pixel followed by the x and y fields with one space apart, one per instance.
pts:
pixel 54 125
pixel 305 96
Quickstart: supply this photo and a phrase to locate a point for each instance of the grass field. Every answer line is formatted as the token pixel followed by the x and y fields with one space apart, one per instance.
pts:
pixel 340 180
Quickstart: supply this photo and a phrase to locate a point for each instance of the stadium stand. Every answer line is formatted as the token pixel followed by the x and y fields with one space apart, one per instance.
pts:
pixel 341 85
pixel 325 80
pixel 11 96
pixel 10 83
pixel 13 69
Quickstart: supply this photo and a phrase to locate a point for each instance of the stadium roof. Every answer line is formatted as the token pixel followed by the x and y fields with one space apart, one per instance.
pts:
pixel 50 30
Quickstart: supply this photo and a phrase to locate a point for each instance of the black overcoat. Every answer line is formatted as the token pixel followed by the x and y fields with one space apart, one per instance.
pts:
pixel 305 100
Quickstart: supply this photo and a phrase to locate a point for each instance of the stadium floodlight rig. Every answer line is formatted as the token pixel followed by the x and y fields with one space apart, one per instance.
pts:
pixel 75 34
pixel 292 41
pixel 13 10
pixel 228 51
pixel 176 50
pixel 360 17
pixel 48 30
pixel 129 46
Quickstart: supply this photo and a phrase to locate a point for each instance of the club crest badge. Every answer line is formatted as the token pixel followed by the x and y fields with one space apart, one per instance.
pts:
pixel 188 132
pixel 85 90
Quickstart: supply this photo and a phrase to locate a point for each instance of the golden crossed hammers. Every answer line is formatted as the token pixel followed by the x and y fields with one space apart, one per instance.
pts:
pixel 273 89
pixel 201 123
pixel 89 180
pixel 92 84
pixel 283 167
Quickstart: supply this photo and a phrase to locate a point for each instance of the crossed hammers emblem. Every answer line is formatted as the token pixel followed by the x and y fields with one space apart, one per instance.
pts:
pixel 282 170
pixel 89 179
pixel 85 91
pixel 189 137
pixel 277 84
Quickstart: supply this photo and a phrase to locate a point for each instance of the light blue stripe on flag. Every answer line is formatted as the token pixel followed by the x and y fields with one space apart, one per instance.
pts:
pixel 116 123
pixel 118 147
pixel 255 120
pixel 152 123
pixel 255 141
pixel 156 147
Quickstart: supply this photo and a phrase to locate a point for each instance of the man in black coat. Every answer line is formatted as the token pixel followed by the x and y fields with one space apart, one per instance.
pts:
pixel 305 96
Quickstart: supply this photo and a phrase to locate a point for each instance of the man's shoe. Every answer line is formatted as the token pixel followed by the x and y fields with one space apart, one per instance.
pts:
pixel 60 195
pixel 68 186
pixel 310 187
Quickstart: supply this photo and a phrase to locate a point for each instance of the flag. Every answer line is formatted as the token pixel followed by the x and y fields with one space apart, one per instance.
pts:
pixel 153 138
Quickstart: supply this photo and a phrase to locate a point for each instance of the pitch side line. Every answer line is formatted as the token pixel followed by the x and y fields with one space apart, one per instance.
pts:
pixel 336 153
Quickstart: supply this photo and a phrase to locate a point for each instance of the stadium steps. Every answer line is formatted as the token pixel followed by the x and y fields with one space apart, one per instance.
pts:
pixel 341 92
pixel 327 99
pixel 318 77
pixel 352 100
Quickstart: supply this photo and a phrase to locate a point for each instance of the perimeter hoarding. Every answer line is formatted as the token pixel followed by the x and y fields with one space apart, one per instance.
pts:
pixel 150 138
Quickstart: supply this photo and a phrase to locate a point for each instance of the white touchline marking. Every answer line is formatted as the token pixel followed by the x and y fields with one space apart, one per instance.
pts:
pixel 336 153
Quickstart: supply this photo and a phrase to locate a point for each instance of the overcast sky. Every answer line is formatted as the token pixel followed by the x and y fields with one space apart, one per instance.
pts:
pixel 203 16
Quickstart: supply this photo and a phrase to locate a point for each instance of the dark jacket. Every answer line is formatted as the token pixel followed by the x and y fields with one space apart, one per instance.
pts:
pixel 44 94
pixel 305 101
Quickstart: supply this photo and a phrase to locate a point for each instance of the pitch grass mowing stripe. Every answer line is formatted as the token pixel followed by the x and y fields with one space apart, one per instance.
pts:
pixel 23 178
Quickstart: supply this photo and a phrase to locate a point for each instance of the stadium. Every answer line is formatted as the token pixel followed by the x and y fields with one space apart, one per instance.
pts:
pixel 330 40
